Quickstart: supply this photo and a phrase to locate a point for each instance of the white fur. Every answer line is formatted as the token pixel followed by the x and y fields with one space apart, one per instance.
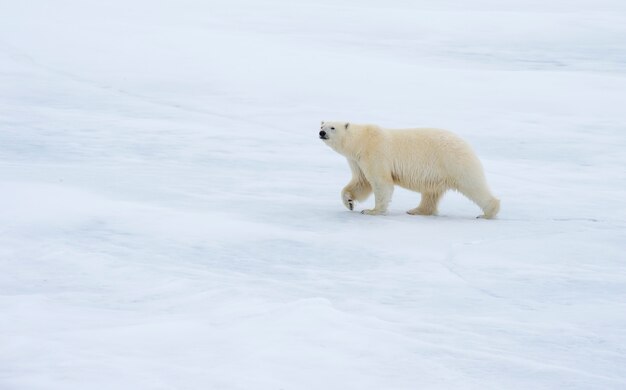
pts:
pixel 429 161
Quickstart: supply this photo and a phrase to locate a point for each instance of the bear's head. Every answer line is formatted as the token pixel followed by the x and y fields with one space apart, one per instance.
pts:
pixel 334 133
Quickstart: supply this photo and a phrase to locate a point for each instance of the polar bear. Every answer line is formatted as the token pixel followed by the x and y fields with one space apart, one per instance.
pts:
pixel 429 161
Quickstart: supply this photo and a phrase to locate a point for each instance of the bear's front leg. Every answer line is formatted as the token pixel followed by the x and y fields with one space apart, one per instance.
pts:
pixel 382 194
pixel 348 199
pixel 357 190
pixel 378 174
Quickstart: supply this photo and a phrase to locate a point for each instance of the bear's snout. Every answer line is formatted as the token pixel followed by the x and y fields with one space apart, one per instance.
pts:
pixel 323 135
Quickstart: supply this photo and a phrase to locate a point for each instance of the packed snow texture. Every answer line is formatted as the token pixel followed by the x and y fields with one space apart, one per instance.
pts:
pixel 169 218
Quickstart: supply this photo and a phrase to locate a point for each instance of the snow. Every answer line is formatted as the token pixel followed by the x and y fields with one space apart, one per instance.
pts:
pixel 169 219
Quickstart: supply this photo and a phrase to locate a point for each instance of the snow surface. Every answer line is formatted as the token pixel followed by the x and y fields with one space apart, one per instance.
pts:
pixel 169 219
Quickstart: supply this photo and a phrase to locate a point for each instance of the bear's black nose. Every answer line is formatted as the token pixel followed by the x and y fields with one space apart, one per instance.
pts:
pixel 322 133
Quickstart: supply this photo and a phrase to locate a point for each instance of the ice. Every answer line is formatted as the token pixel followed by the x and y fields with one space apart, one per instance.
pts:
pixel 169 219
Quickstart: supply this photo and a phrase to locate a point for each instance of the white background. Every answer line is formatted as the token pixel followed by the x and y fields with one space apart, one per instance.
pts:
pixel 169 218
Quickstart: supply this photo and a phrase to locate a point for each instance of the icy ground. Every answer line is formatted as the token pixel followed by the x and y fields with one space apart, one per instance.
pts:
pixel 169 219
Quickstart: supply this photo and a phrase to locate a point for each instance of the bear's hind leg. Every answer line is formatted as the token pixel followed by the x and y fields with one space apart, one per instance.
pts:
pixel 479 194
pixel 428 204
pixel 491 209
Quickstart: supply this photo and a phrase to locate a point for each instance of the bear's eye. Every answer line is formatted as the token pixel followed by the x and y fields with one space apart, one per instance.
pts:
pixel 332 128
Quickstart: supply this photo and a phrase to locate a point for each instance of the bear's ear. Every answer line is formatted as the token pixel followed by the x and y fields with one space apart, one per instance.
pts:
pixel 347 124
